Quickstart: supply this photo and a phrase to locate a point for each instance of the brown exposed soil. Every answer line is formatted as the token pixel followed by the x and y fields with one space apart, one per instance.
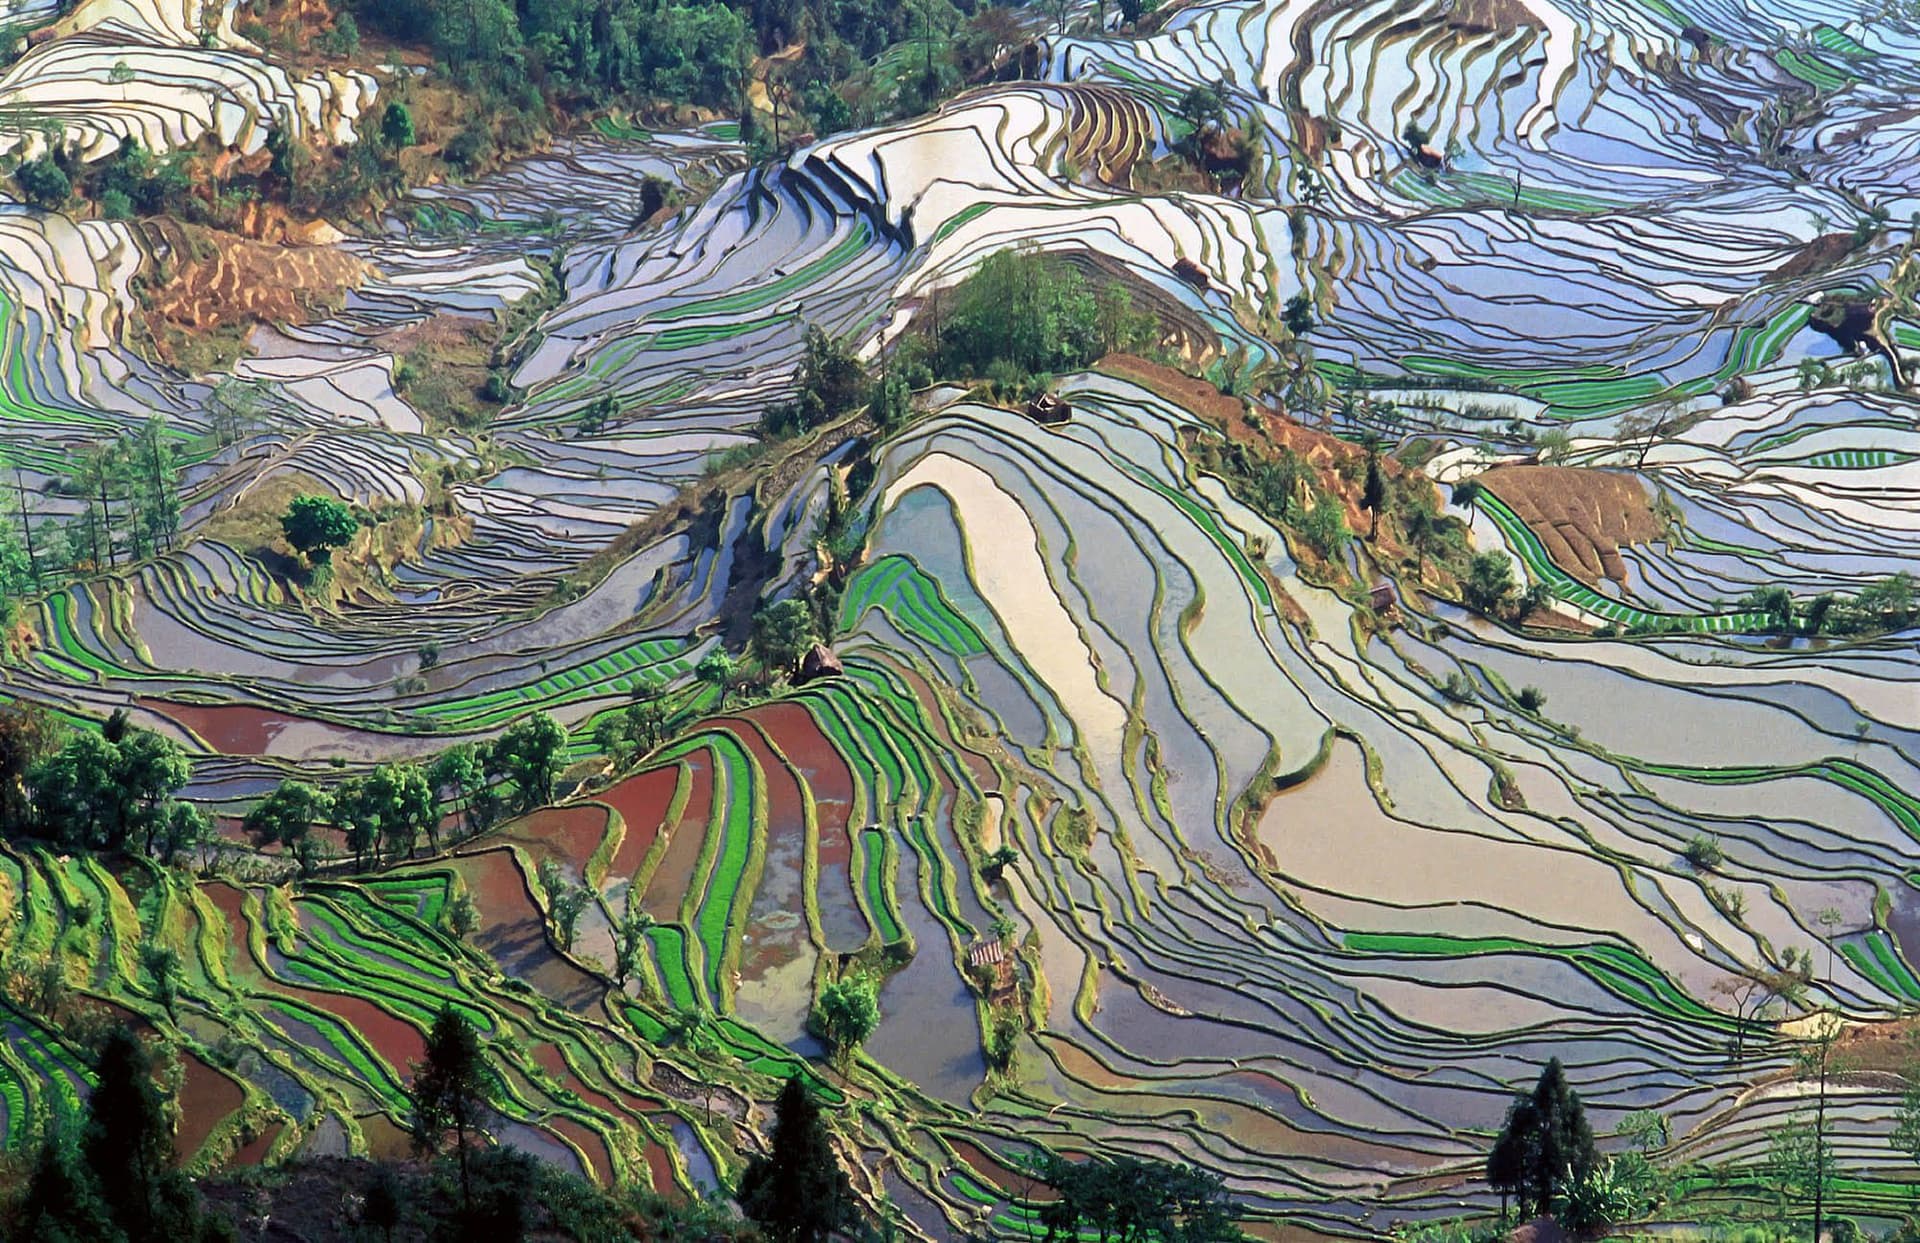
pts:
pixel 217 279
pixel 1821 253
pixel 1581 516
pixel 255 1150
pixel 565 834
pixel 206 1098
pixel 642 803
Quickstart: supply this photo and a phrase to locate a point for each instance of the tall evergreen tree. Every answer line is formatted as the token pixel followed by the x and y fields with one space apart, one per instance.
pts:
pixel 127 1143
pixel 1545 1146
pixel 449 1092
pixel 797 1193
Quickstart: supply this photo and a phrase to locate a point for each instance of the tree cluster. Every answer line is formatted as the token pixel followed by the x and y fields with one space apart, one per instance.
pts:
pixel 114 1181
pixel 1545 1146
pixel 110 791
pixel 1024 313
pixel 1130 1200
pixel 389 809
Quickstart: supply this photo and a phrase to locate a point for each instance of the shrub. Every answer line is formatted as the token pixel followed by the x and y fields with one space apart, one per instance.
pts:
pixel 1531 699
pixel 43 183
pixel 1704 853
pixel 116 205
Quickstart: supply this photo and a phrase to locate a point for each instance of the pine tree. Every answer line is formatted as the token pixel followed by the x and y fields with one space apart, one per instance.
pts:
pixel 797 1193
pixel 449 1091
pixel 1545 1146
pixel 127 1143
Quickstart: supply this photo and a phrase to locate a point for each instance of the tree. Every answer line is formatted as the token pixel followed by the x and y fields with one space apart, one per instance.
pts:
pixel 62 1203
pixel 1467 493
pixel 1297 316
pixel 44 183
pixel 1374 494
pixel 232 407
pixel 1203 110
pixel 636 730
pixel 797 1193
pixel 162 967
pixel 1489 587
pixel 529 755
pixel 396 126
pixel 830 379
pixel 127 1142
pixel 316 525
pixel 97 791
pixel 717 670
pixel 629 939
pixel 390 808
pixel 565 902
pixel 848 1012
pixel 701 1043
pixel 461 771
pixel 27 736
pixel 449 1092
pixel 286 816
pixel 381 1208
pixel 180 827
pixel 782 631
pixel 462 916
pixel 1127 1198
pixel 1545 1145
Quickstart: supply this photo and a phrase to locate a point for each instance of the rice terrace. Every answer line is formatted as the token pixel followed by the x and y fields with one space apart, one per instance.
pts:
pixel 804 619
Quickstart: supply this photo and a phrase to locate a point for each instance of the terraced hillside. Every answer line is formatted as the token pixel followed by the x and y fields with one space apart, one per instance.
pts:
pixel 1286 886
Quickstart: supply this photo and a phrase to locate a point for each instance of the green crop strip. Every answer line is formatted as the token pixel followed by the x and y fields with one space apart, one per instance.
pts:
pixel 1527 545
pixel 1619 970
pixel 1903 808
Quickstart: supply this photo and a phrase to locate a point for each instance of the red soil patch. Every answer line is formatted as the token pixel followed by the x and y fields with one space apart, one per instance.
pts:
pixel 231 729
pixel 641 803
pixel 207 1098
pixel 1581 516
pixel 397 1041
pixel 660 1170
pixel 554 1063
pixel 599 1160
pixel 513 931
pixel 255 1150
pixel 997 1172
pixel 798 736
pixel 386 1139
pixel 669 883
pixel 568 833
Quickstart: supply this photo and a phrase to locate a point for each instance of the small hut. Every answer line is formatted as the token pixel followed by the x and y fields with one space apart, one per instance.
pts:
pixel 819 662
pixel 1049 408
pixel 1381 597
pixel 1192 273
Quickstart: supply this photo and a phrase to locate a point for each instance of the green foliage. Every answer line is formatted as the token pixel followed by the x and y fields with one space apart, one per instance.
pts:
pixel 99 793
pixel 831 381
pixel 342 38
pixel 782 632
pixel 316 525
pixel 528 754
pixel 161 966
pixel 847 1013
pixel 396 126
pixel 1136 1201
pixel 1531 699
pixel 634 731
pixel 449 1092
pixel 390 808
pixel 1704 852
pixel 287 816
pixel 43 183
pixel 1324 527
pixel 797 1193
pixel 1489 587
pixel 1036 314
pixel 565 902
